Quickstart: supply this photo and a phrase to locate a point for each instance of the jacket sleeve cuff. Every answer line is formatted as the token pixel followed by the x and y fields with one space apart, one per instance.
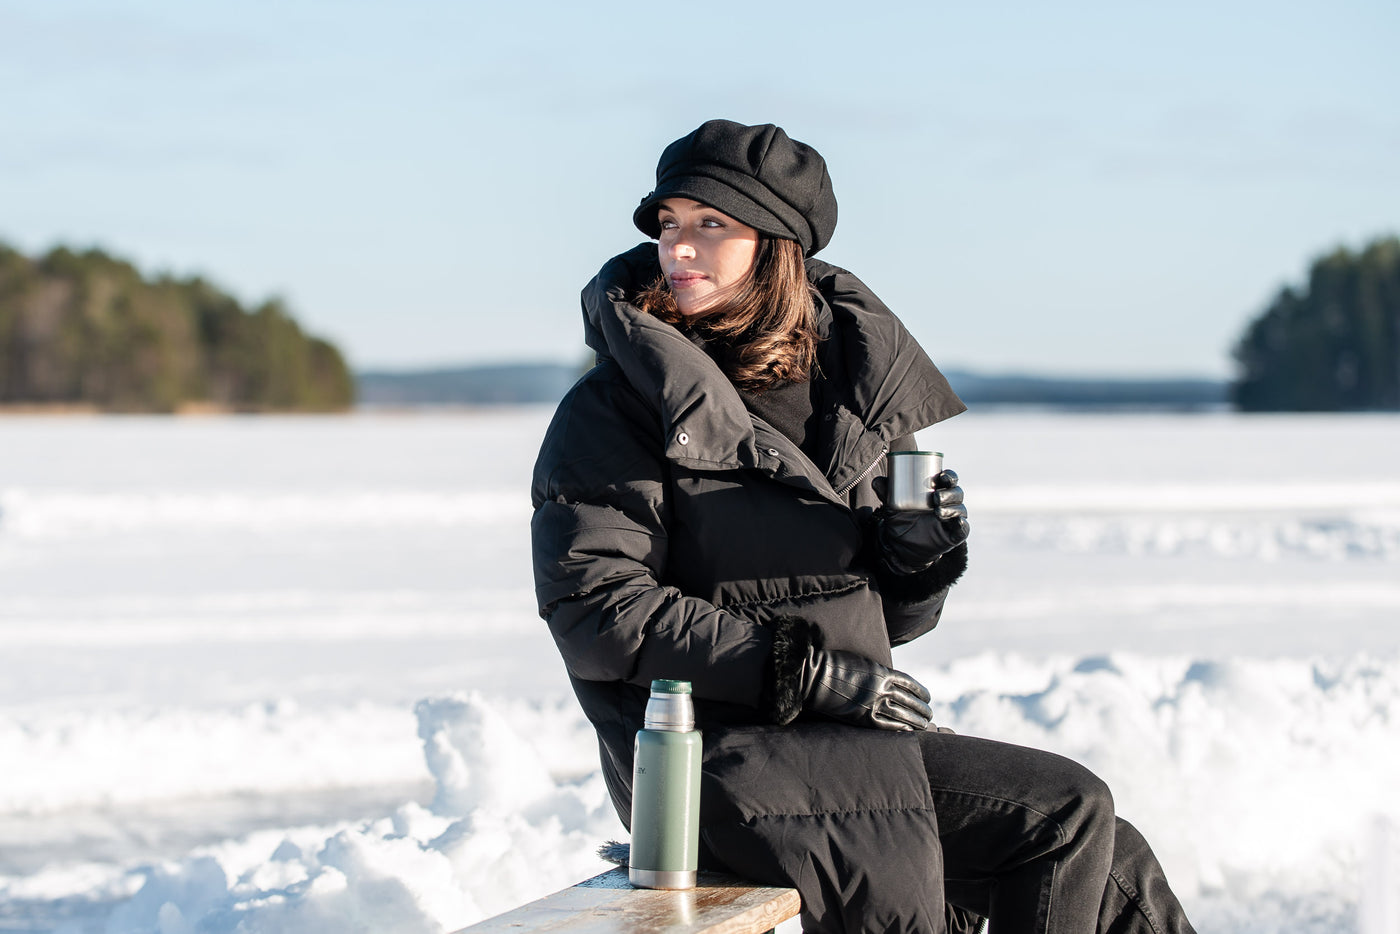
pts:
pixel 921 585
pixel 783 696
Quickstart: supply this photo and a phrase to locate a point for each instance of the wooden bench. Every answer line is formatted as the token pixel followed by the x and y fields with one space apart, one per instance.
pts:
pixel 607 904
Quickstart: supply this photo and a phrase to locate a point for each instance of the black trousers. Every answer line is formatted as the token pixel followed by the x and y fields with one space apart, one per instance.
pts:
pixel 1031 841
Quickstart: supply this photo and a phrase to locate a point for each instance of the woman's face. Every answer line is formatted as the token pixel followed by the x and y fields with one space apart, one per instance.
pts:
pixel 706 256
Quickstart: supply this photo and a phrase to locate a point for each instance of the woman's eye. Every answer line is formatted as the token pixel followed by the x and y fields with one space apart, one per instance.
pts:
pixel 667 224
pixel 711 222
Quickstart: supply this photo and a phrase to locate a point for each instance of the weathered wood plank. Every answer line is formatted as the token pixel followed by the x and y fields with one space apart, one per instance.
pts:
pixel 607 904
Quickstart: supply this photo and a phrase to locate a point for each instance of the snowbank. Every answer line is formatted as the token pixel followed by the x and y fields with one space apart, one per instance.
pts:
pixel 1257 781
pixel 1261 784
pixel 502 830
pixel 86 759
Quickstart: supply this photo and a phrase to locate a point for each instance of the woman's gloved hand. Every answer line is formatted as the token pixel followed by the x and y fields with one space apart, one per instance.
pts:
pixel 911 540
pixel 856 690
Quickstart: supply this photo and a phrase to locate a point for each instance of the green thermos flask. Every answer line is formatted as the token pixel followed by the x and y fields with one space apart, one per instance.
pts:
pixel 666 791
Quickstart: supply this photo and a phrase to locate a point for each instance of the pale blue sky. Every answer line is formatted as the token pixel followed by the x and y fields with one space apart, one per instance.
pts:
pixel 1064 187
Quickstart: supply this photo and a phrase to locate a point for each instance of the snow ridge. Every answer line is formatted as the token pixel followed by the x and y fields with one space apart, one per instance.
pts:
pixel 1218 762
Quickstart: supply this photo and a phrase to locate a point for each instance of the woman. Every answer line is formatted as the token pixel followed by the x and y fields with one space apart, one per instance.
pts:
pixel 707 508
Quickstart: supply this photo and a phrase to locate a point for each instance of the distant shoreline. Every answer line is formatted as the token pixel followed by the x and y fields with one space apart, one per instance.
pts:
pixel 185 410
pixel 498 386
pixel 517 383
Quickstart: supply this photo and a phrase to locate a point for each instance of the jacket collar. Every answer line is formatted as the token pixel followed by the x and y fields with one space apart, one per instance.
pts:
pixel 892 388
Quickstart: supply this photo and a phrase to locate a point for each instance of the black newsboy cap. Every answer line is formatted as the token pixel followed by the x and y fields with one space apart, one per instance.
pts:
pixel 755 174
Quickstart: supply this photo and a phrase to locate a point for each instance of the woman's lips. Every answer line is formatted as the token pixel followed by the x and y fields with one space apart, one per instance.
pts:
pixel 684 280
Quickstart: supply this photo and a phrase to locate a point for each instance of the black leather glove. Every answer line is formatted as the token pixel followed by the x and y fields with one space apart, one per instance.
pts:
pixel 911 540
pixel 854 689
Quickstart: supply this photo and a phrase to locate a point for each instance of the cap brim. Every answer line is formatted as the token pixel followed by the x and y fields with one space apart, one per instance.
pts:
pixel 717 195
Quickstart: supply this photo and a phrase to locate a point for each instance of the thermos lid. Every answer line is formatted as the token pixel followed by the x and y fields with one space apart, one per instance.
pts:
pixel 669 708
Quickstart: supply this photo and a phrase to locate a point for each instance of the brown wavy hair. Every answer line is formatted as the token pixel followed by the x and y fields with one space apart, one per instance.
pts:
pixel 767 333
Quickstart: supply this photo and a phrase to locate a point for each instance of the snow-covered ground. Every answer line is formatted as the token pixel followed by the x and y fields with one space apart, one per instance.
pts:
pixel 285 674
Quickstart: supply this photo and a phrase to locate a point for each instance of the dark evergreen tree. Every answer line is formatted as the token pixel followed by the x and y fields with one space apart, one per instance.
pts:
pixel 1332 347
pixel 87 328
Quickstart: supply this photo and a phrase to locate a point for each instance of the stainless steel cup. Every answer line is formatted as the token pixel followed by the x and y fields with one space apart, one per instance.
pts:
pixel 911 477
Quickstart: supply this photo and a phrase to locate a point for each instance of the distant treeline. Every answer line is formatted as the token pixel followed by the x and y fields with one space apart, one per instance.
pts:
pixel 489 384
pixel 1088 393
pixel 86 328
pixel 501 384
pixel 1331 346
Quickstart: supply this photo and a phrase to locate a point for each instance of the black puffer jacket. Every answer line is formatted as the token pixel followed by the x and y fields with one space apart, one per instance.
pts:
pixel 678 536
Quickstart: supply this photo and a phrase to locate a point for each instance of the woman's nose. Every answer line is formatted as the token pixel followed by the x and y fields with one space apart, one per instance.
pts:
pixel 681 248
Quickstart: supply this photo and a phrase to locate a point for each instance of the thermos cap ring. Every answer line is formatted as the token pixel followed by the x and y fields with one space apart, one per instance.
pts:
pixel 670 687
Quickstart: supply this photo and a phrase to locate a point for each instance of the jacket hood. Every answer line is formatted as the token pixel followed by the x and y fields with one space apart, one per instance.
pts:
pixel 894 388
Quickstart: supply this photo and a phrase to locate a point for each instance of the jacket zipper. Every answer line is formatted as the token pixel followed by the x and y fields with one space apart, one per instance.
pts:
pixel 864 473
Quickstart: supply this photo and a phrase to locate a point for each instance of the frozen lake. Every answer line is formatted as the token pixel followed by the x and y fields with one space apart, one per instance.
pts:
pixel 226 642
